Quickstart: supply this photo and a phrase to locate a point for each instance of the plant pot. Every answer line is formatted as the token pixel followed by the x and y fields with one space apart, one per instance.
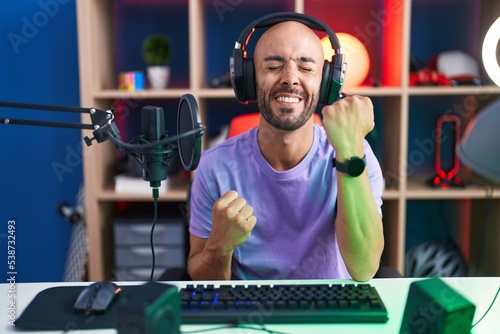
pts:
pixel 158 76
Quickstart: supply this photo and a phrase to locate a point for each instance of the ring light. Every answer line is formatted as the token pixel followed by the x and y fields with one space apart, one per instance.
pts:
pixel 490 43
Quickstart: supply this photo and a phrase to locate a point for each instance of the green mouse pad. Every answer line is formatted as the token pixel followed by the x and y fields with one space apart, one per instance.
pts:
pixel 52 309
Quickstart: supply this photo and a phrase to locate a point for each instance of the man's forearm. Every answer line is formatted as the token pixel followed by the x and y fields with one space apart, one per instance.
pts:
pixel 208 265
pixel 359 227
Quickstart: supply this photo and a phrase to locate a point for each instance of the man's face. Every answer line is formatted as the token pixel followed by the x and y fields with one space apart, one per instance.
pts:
pixel 288 64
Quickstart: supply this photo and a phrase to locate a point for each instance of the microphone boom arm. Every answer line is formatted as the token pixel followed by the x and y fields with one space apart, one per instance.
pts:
pixel 102 121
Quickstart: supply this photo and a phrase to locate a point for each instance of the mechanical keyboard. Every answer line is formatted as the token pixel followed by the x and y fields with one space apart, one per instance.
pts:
pixel 268 304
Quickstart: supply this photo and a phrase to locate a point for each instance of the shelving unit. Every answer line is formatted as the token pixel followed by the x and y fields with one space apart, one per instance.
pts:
pixel 387 27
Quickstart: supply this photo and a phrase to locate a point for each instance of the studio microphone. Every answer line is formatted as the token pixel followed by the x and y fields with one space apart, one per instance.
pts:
pixel 153 162
pixel 154 149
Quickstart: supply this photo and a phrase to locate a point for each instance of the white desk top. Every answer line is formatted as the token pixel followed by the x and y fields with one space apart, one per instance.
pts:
pixel 393 291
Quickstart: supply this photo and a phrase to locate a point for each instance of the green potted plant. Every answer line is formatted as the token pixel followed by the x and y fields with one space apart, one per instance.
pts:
pixel 156 54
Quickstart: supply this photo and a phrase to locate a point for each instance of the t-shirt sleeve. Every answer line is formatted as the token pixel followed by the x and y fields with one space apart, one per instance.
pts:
pixel 201 203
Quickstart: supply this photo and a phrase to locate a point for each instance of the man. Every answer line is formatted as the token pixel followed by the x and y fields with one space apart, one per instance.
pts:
pixel 269 204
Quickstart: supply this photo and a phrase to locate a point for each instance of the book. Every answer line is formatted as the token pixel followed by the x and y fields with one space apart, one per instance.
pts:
pixel 126 184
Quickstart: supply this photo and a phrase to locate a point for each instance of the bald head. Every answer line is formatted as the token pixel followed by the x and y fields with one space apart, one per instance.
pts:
pixel 291 38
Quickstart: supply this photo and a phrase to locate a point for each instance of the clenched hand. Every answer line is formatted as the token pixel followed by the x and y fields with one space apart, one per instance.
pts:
pixel 232 222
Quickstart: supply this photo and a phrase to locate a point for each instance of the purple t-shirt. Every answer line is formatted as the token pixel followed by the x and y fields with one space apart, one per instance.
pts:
pixel 294 237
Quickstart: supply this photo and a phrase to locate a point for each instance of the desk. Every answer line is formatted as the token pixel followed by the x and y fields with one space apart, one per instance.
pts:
pixel 393 292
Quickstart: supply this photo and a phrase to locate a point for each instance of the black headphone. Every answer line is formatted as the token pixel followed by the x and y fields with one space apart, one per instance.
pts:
pixel 242 68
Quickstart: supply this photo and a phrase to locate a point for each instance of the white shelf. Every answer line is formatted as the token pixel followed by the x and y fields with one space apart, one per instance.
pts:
pixel 457 90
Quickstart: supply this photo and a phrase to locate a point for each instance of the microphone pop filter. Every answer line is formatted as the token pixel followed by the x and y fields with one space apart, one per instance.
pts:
pixel 188 119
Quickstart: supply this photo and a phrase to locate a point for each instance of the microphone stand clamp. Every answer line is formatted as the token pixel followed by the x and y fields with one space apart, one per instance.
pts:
pixel 103 124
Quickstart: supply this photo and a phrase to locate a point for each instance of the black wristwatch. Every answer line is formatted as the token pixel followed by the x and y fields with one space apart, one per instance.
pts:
pixel 353 167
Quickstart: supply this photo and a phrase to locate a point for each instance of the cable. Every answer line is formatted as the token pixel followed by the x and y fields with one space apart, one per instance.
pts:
pixel 208 329
pixel 151 241
pixel 149 146
pixel 261 328
pixel 489 308
pixel 242 326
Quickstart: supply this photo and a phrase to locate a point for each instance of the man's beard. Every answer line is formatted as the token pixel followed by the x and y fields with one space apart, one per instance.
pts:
pixel 280 123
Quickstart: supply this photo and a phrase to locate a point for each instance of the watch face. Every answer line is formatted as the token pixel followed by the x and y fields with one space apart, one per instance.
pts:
pixel 355 166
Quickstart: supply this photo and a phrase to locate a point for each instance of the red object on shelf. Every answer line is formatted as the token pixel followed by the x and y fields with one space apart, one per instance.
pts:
pixel 446 178
pixel 428 77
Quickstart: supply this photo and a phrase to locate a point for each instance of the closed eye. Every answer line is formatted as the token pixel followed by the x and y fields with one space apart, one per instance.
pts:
pixel 274 67
pixel 274 63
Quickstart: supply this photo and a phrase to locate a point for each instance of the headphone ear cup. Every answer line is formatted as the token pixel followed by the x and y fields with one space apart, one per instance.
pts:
pixel 248 70
pixel 237 76
pixel 326 84
pixel 332 80
pixel 243 78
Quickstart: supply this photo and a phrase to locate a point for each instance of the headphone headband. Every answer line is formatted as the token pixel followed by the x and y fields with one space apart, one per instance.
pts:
pixel 275 18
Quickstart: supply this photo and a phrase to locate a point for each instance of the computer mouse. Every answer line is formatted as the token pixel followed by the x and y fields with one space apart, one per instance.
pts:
pixel 96 298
